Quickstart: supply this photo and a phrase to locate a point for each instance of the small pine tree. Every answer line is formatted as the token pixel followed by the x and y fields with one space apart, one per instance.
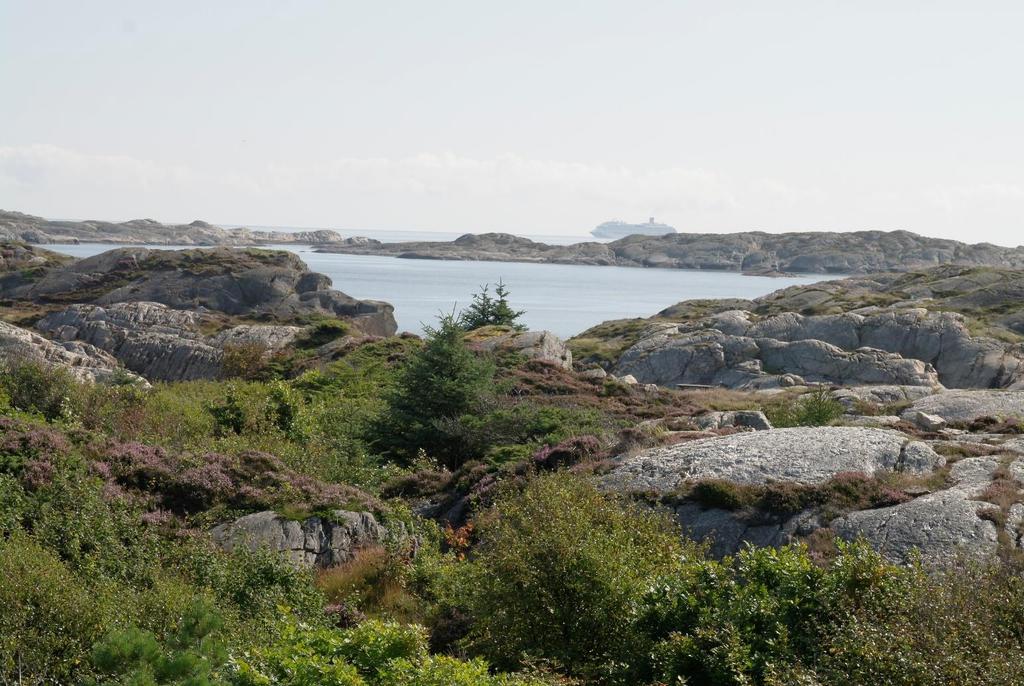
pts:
pixel 488 311
pixel 441 382
pixel 190 657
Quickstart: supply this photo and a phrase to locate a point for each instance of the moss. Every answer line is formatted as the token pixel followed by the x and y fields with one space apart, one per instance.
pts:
pixel 842 493
pixel 606 342
pixel 322 333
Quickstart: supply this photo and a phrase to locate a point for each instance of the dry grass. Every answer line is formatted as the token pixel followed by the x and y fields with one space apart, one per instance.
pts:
pixel 372 582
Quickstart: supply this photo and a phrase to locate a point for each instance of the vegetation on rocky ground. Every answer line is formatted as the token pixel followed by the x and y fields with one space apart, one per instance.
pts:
pixel 521 572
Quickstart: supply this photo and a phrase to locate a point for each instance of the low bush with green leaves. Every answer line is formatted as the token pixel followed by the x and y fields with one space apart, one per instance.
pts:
pixel 815 408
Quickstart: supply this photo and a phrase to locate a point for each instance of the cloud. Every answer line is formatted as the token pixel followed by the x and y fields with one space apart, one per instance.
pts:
pixel 436 190
pixel 971 198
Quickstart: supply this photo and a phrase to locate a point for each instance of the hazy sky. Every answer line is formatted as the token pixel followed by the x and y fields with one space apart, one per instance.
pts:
pixel 533 117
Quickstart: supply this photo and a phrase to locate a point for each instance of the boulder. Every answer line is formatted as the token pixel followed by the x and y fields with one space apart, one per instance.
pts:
pixel 726 532
pixel 316 541
pixel 964 406
pixel 535 345
pixel 805 455
pixel 939 526
pixel 925 421
pixel 751 419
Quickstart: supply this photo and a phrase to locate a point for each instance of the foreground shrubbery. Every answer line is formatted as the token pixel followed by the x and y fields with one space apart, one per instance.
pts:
pixel 565 577
pixel 108 577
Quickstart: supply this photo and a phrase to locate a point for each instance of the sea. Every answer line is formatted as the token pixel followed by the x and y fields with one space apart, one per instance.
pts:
pixel 563 299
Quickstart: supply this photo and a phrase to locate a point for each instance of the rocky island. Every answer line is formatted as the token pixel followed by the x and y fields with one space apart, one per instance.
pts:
pixel 753 252
pixel 16 226
pixel 858 252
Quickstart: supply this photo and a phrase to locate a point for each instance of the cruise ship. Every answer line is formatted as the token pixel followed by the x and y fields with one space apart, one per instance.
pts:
pixel 620 229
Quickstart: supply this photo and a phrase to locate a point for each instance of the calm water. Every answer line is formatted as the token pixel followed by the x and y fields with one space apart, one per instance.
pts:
pixel 565 299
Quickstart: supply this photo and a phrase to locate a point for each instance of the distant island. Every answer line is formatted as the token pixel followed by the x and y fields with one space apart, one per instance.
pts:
pixel 17 226
pixel 750 252
pixel 621 229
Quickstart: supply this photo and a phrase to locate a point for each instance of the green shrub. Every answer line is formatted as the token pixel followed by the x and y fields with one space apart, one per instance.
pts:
pixel 48 617
pixel 14 504
pixel 313 656
pixel 525 424
pixel 321 333
pixel 816 408
pixel 558 576
pixel 255 582
pixel 720 493
pixel 244 361
pixel 94 535
pixel 38 389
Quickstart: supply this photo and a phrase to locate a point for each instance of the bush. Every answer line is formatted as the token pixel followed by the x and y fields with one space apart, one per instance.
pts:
pixel 308 656
pixel 48 618
pixel 244 361
pixel 569 452
pixel 372 653
pixel 38 389
pixel 373 583
pixel 255 583
pixel 558 576
pixel 721 494
pixel 322 333
pixel 526 423
pixel 816 408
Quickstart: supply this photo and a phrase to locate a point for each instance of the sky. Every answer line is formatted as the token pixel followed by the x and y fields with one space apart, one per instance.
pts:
pixel 534 117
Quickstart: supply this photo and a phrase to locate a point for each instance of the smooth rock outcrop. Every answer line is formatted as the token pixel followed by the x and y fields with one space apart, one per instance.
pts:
pixel 964 406
pixel 926 422
pixel 727 532
pixel 908 347
pixel 684 355
pixel 939 526
pixel 808 455
pixel 158 342
pixel 85 362
pixel 316 541
pixel 268 284
pixel 851 396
